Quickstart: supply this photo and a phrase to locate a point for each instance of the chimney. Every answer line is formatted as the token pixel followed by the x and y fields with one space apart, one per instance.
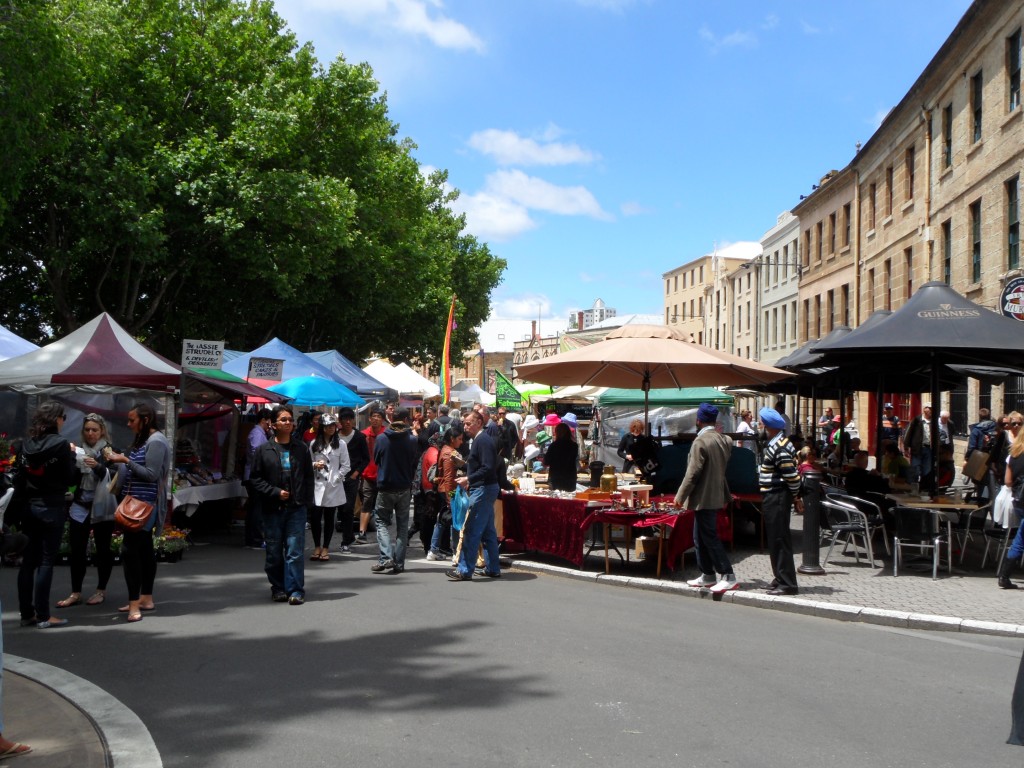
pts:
pixel 533 330
pixel 579 321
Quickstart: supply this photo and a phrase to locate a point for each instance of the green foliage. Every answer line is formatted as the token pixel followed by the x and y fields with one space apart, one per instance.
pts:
pixel 203 176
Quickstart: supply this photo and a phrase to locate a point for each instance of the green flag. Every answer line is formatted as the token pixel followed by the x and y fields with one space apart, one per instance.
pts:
pixel 505 393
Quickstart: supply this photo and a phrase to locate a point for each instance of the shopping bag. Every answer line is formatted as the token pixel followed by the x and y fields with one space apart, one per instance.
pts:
pixel 460 508
pixel 976 467
pixel 1002 507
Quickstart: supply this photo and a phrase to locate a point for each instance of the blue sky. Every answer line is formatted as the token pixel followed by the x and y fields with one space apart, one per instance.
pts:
pixel 599 143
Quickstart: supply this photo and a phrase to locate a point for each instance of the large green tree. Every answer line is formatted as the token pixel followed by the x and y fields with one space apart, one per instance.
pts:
pixel 205 176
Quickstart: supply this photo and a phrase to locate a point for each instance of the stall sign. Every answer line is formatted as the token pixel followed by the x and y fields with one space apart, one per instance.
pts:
pixel 196 353
pixel 1012 300
pixel 505 393
pixel 266 368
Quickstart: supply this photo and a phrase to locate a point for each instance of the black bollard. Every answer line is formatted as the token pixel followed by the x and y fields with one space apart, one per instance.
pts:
pixel 812 516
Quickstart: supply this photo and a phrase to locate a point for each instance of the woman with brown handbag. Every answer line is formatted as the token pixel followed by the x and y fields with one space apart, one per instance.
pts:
pixel 149 463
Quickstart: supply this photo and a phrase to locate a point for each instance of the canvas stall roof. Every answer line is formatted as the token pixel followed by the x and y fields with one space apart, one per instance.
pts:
pixel 686 397
pixel 12 345
pixel 350 374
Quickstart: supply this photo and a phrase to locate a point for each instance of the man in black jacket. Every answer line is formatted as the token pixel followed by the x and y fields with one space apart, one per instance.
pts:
pixel 282 473
pixel 395 453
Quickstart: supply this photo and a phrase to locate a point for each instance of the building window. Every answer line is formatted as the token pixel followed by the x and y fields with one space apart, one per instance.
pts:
pixel 667 288
pixel 947 136
pixel 908 264
pixel 908 164
pixel 846 224
pixel 1013 67
pixel 947 251
pixel 887 280
pixel 831 233
pixel 1013 222
pixel 675 285
pixel 792 319
pixel 820 232
pixel 782 324
pixel 844 293
pixel 872 201
pixel 976 242
pixel 976 89
pixel 871 291
pixel 889 190
pixel 666 315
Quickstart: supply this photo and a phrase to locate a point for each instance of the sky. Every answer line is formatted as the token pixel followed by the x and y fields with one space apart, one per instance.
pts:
pixel 597 144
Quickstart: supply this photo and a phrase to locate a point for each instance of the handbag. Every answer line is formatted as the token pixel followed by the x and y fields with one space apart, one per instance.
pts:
pixel 976 466
pixel 132 514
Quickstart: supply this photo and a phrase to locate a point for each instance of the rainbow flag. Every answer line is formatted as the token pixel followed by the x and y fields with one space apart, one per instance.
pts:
pixel 446 355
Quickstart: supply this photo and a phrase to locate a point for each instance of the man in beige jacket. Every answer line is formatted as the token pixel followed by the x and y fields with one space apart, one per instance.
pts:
pixel 705 490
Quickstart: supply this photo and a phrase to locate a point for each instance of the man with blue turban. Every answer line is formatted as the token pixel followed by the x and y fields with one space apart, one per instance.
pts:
pixel 779 482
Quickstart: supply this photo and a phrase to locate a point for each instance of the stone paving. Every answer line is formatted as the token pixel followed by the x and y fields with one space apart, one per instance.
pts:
pixel 969 596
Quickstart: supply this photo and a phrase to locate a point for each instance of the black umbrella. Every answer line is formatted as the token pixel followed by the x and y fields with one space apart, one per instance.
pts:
pixel 936 328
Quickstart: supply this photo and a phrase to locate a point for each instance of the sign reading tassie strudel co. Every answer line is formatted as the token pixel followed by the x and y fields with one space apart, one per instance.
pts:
pixel 1012 301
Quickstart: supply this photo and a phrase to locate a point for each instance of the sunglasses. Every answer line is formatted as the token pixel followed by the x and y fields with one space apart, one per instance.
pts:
pixel 1015 423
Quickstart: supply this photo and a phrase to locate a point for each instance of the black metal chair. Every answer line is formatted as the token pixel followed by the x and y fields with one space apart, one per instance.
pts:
pixel 872 509
pixel 918 528
pixel 847 521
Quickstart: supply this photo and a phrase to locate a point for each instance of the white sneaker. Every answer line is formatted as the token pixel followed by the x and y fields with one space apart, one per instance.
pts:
pixel 705 580
pixel 726 584
pixel 433 557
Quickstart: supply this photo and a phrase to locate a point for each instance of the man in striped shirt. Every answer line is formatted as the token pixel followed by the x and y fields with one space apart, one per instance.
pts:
pixel 780 483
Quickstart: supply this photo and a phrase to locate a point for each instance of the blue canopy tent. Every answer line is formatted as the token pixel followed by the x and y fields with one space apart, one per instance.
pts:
pixel 352 376
pixel 12 345
pixel 314 390
pixel 296 364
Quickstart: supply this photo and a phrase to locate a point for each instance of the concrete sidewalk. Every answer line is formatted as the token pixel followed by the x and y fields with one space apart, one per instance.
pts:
pixel 69 721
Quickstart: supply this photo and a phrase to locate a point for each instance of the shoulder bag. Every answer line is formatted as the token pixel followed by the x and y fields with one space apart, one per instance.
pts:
pixel 132 514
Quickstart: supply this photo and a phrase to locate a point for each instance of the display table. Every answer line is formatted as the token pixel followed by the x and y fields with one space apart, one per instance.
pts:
pixel 547 524
pixel 188 500
pixel 680 524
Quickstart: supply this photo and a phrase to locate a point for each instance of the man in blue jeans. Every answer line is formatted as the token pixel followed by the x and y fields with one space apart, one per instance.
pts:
pixel 395 452
pixel 282 474
pixel 484 474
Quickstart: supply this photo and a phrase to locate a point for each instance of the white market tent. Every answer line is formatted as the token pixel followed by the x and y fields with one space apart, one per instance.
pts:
pixel 402 379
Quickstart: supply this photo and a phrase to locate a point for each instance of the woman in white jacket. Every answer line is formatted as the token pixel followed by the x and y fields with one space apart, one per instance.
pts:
pixel 330 466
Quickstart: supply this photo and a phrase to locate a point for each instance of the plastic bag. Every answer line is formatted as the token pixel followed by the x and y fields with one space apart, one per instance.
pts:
pixel 459 507
pixel 1002 507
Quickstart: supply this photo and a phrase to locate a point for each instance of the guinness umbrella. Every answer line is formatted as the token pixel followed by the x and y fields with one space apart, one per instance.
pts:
pixel 647 357
pixel 937 327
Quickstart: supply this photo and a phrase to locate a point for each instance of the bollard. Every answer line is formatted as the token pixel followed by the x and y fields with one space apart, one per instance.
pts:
pixel 811 562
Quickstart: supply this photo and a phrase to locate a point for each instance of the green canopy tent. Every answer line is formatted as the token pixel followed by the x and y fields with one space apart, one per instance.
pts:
pixel 671 411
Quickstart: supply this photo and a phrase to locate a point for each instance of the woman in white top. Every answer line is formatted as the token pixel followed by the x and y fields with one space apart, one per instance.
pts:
pixel 745 428
pixel 330 466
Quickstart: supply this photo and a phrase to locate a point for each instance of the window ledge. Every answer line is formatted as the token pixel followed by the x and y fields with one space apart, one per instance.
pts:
pixel 907 206
pixel 869 234
pixel 1011 117
pixel 844 250
pixel 886 221
pixel 945 173
pixel 975 148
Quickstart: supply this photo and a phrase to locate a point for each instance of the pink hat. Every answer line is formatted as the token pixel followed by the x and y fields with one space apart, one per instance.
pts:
pixel 551 420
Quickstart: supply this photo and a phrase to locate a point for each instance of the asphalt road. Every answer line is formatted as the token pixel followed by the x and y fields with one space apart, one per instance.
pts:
pixel 412 670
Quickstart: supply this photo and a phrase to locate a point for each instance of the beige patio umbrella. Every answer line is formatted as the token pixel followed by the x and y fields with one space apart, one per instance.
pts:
pixel 648 357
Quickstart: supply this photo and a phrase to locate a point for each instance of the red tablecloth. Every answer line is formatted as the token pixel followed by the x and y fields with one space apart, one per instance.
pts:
pixel 546 524
pixel 678 541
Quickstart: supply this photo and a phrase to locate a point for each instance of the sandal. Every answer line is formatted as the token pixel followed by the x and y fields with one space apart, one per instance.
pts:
pixel 97 598
pixel 15 749
pixel 316 555
pixel 75 598
pixel 134 617
pixel 126 608
pixel 324 556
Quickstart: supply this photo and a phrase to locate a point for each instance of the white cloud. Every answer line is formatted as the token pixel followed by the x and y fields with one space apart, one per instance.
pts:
pixel 522 306
pixel 633 208
pixel 771 21
pixel 586 277
pixel 501 210
pixel 541 195
pixel 509 148
pixel 607 5
pixel 808 28
pixel 491 217
pixel 418 18
pixel 738 38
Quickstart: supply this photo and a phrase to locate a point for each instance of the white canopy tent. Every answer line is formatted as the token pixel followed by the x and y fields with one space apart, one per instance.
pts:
pixel 401 378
